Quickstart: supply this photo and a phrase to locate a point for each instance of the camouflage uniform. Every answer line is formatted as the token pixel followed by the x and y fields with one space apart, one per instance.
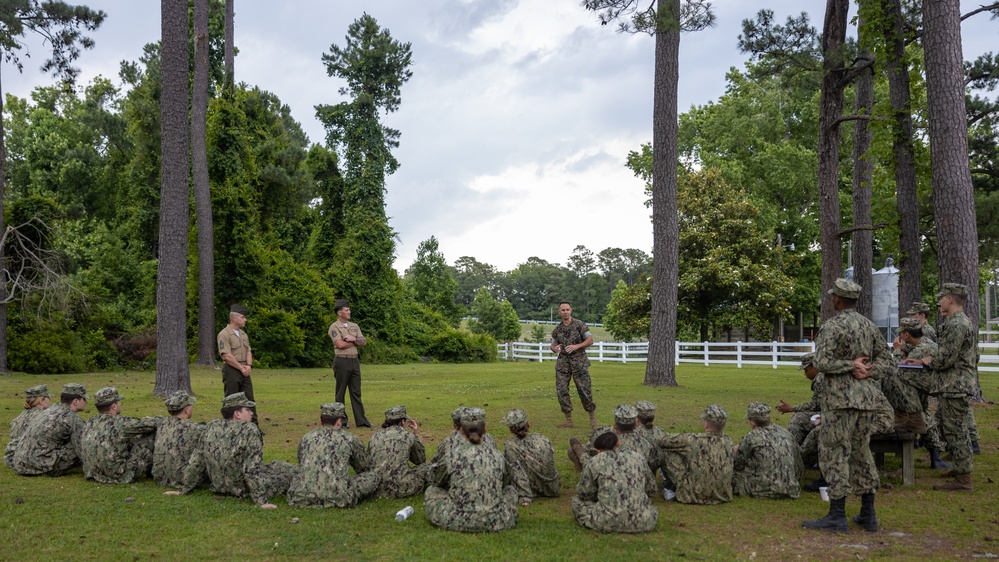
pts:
pixel 613 494
pixel 653 435
pixel 116 449
pixel 325 456
pixel 572 366
pixel 20 423
pixel 700 464
pixel 634 440
pixel 175 442
pixel 767 464
pixel 531 460
pixel 471 490
pixel 955 367
pixel 850 406
pixel 455 439
pixel 391 450
pixel 230 454
pixel 51 443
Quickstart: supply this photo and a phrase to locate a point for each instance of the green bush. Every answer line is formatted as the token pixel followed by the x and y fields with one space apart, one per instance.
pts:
pixel 50 350
pixel 454 346
pixel 387 354
pixel 277 340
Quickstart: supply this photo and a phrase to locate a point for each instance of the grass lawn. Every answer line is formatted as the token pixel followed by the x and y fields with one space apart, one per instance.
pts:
pixel 68 517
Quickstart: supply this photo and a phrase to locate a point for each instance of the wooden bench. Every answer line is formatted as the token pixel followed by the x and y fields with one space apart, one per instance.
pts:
pixel 900 444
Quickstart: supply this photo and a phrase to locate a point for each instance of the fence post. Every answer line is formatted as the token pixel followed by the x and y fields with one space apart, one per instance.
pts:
pixel 773 354
pixel 707 358
pixel 676 353
pixel 600 351
pixel 624 352
pixel 738 354
pixel 541 352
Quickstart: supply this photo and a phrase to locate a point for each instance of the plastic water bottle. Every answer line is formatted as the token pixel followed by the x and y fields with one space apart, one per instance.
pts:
pixel 404 513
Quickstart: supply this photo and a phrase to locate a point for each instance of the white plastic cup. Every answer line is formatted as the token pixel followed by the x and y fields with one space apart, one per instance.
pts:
pixel 404 513
pixel 823 493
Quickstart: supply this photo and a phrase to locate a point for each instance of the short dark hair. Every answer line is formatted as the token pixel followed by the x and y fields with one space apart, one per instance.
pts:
pixel 474 431
pixel 961 300
pixel 761 423
pixel 329 420
pixel 390 423
pixel 229 411
pixel 605 441
pixel 847 302
pixel 914 332
pixel 646 420
pixel 625 427
pixel 104 408
pixel 565 302
pixel 67 398
pixel 715 426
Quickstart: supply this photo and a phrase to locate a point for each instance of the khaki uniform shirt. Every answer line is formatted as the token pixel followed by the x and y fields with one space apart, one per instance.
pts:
pixel 237 345
pixel 338 330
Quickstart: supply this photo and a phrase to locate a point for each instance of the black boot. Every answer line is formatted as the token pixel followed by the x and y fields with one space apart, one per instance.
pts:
pixel 835 521
pixel 867 518
pixel 975 449
pixel 935 461
pixel 819 482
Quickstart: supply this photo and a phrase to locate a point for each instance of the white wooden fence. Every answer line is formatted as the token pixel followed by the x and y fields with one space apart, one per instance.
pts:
pixel 706 353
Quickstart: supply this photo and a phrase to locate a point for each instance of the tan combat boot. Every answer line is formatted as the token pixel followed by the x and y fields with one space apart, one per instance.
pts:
pixel 567 422
pixel 960 483
pixel 593 421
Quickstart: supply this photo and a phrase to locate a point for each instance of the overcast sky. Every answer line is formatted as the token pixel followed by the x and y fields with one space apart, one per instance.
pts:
pixel 516 122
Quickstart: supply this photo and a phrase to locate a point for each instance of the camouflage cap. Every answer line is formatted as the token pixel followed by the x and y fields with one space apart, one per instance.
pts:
pixel 179 400
pixel 806 360
pixel 40 391
pixel 645 408
pixel 919 308
pixel 239 309
pixel 107 396
pixel 515 419
pixel 333 410
pixel 715 414
pixel 953 289
pixel 75 389
pixel 625 413
pixel 905 324
pixel 758 411
pixel 456 414
pixel 473 416
pixel 238 400
pixel 846 289
pixel 395 413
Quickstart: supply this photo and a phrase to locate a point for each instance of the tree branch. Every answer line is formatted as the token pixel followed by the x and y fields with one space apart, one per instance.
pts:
pixel 854 117
pixel 980 9
pixel 878 226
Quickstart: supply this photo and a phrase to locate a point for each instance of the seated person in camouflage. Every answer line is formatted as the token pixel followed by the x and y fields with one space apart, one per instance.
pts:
pixel 471 489
pixel 116 449
pixel 36 400
pixel 767 463
pixel 51 443
pixel 699 465
pixel 625 422
pixel 901 386
pixel 653 433
pixel 325 456
pixel 455 438
pixel 531 458
pixel 614 489
pixel 231 455
pixel 176 439
pixel 392 448
pixel 801 422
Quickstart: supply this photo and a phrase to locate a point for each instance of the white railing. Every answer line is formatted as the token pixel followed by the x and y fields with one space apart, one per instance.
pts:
pixel 705 353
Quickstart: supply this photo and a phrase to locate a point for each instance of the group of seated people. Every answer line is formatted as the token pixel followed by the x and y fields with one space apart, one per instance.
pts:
pixel 469 484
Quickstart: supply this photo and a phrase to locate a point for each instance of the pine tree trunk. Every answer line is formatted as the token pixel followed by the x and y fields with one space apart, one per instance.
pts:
pixel 830 110
pixel 202 193
pixel 3 259
pixel 660 369
pixel 230 46
pixel 863 240
pixel 172 369
pixel 953 193
pixel 910 263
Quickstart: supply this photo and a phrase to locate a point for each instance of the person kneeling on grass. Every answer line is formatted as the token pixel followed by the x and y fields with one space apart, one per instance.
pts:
pixel 699 465
pixel 613 491
pixel 470 490
pixel 531 458
pixel 231 455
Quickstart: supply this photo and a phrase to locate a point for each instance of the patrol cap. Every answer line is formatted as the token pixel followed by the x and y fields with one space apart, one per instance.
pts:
pixel 456 414
pixel 75 389
pixel 515 419
pixel 179 400
pixel 395 413
pixel 40 391
pixel 340 303
pixel 905 324
pixel 715 414
pixel 333 410
pixel 625 413
pixel 645 408
pixel 846 289
pixel 758 411
pixel 473 416
pixel 918 308
pixel 239 309
pixel 806 360
pixel 238 400
pixel 953 289
pixel 107 396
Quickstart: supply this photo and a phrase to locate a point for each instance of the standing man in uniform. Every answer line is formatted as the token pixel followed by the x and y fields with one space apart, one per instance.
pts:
pixel 955 365
pixel 237 357
pixel 851 354
pixel 921 311
pixel 347 337
pixel 570 340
